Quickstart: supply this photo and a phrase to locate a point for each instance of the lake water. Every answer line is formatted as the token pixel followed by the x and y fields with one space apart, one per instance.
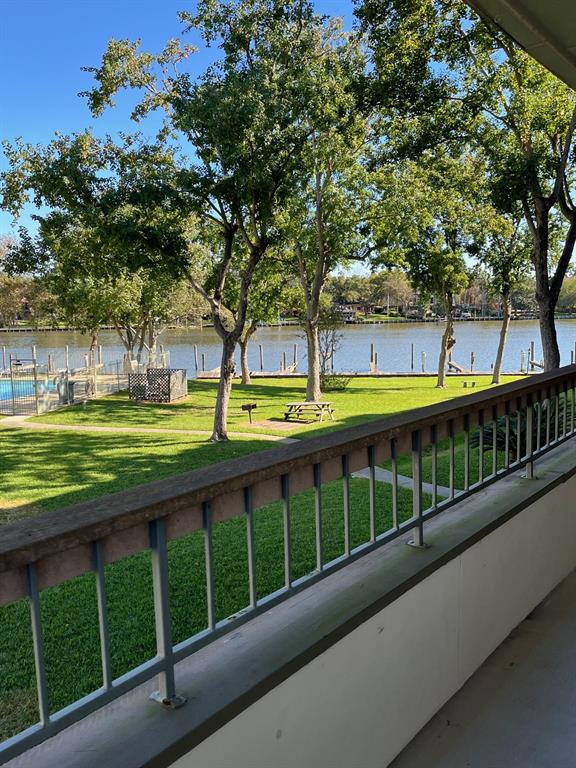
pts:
pixel 393 344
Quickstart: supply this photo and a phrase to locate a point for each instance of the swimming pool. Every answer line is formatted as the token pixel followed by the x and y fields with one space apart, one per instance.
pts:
pixel 23 388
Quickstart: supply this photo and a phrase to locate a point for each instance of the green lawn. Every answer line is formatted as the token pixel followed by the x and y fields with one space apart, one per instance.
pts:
pixel 365 399
pixel 69 610
pixel 443 463
pixel 46 471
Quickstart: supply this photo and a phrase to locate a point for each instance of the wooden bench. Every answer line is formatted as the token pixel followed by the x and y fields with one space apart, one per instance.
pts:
pixel 297 410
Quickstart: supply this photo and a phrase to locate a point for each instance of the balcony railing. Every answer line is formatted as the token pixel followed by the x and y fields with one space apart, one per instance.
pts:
pixel 425 460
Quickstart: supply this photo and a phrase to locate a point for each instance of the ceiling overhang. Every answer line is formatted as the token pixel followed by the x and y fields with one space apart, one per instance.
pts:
pixel 546 29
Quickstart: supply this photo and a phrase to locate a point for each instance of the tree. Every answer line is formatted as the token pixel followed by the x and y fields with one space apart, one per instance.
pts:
pixel 390 288
pixel 431 230
pixel 348 289
pixel 266 296
pixel 137 302
pixel 247 119
pixel 507 257
pixel 326 220
pixel 481 88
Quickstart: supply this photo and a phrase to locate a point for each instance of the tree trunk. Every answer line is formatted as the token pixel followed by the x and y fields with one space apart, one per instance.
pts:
pixel 246 379
pixel 544 293
pixel 548 333
pixel 447 341
pixel 313 390
pixel 507 314
pixel 227 370
pixel 243 342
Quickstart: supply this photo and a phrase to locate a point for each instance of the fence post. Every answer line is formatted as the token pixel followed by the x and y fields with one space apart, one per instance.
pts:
pixel 35 383
pixel 418 540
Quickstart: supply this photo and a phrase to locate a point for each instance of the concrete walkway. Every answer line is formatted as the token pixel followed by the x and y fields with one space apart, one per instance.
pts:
pixel 385 476
pixel 519 709
pixel 21 422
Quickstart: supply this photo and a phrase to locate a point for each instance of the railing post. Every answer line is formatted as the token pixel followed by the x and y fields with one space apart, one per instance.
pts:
pixel 285 486
pixel 318 517
pixel 251 545
pixel 494 440
pixel 346 492
pixel 102 615
pixel 209 564
pixel 466 452
pixel 38 645
pixel 394 458
pixel 480 446
pixel 451 457
pixel 434 443
pixel 166 693
pixel 529 436
pixel 418 531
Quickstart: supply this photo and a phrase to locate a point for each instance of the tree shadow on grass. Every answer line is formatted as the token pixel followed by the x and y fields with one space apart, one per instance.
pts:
pixel 52 469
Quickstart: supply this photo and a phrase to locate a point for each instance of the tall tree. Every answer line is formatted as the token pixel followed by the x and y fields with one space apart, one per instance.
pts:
pixel 326 219
pixel 479 87
pixel 432 230
pixel 507 257
pixel 247 119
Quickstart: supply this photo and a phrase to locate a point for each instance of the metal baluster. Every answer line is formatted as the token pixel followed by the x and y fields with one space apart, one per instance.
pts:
pixel 418 531
pixel 539 422
pixel 451 457
pixel 548 415
pixel 102 614
pixel 209 560
pixel 507 435
pixel 38 644
pixel 318 514
pixel 556 415
pixel 494 440
pixel 564 409
pixel 466 452
pixel 346 490
pixel 572 407
pixel 518 433
pixel 394 457
pixel 434 444
pixel 529 436
pixel 250 546
pixel 159 549
pixel 285 483
pixel 480 446
pixel 372 490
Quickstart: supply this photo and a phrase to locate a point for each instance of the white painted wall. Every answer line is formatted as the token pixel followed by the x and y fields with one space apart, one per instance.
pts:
pixel 361 702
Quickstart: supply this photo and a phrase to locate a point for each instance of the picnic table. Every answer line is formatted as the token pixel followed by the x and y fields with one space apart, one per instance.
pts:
pixel 296 410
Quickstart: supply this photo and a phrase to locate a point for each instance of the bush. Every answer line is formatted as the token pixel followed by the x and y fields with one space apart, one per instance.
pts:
pixel 333 382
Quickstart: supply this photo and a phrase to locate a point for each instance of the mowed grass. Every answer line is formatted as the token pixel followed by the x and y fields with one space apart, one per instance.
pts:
pixel 45 471
pixel 443 463
pixel 365 399
pixel 69 611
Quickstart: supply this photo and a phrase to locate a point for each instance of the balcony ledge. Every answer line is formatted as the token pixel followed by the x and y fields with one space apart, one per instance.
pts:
pixel 223 679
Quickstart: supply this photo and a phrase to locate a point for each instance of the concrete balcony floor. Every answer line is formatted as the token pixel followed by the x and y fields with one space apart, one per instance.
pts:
pixel 519 709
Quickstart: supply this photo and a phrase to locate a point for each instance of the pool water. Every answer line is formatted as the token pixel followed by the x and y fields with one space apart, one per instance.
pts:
pixel 23 388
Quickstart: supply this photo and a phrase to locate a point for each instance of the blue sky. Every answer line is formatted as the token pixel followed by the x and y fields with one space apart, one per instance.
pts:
pixel 44 44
